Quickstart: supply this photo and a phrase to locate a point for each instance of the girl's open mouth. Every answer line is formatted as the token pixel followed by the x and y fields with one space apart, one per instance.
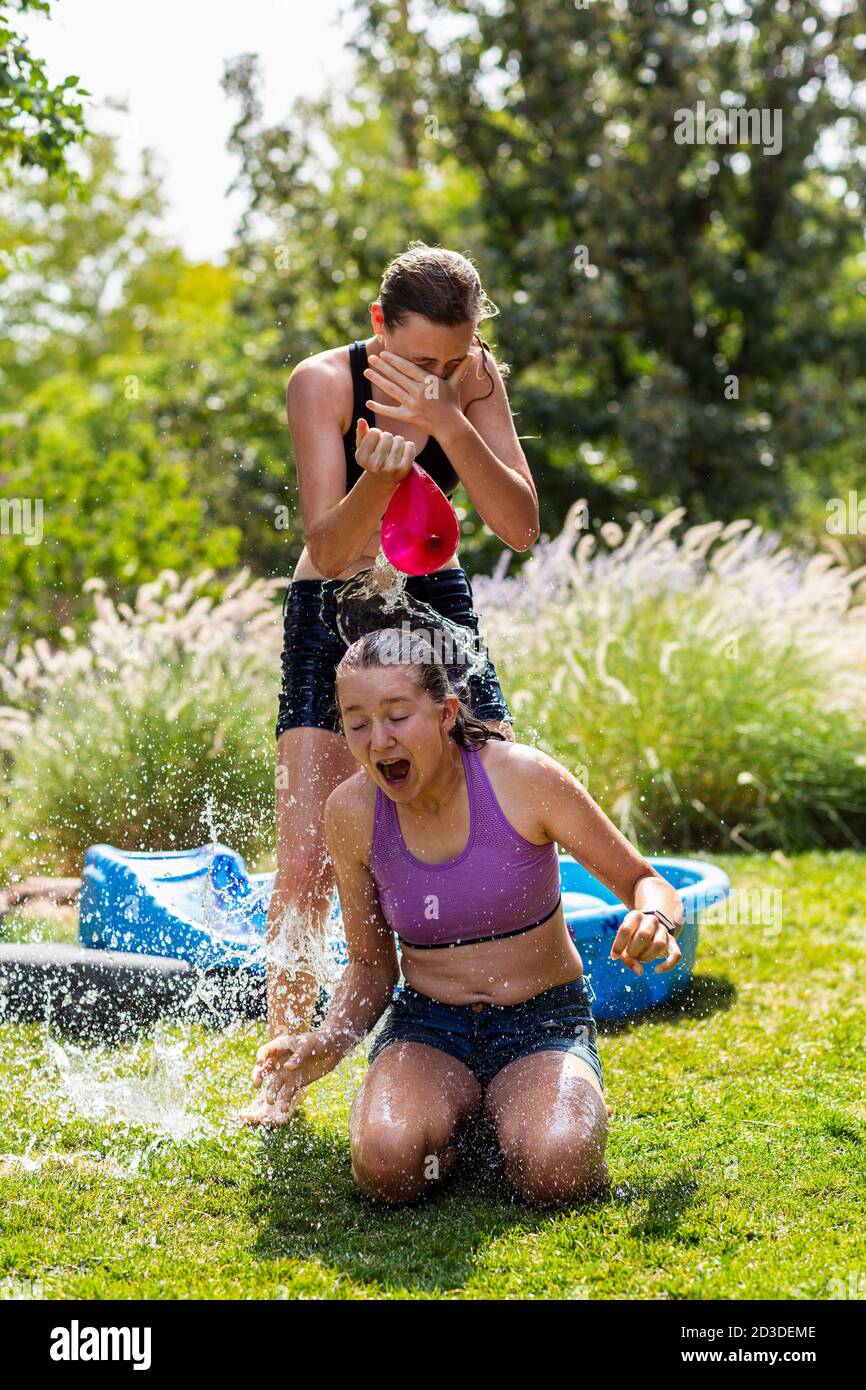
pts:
pixel 395 771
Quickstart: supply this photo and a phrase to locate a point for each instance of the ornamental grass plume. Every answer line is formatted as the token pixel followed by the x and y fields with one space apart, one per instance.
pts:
pixel 155 733
pixel 709 688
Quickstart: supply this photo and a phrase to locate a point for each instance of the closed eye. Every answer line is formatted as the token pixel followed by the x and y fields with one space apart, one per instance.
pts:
pixel 393 719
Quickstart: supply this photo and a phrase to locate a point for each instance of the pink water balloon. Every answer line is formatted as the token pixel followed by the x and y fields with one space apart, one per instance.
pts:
pixel 420 529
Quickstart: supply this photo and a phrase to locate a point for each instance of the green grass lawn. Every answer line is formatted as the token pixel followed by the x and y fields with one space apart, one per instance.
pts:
pixel 737 1150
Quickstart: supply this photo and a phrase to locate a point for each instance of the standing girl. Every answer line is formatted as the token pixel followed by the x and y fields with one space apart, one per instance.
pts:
pixel 424 387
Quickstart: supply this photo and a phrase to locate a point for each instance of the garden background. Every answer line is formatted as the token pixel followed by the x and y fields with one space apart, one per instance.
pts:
pixel 685 331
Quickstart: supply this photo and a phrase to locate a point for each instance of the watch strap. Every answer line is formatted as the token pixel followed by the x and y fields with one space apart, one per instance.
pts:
pixel 663 917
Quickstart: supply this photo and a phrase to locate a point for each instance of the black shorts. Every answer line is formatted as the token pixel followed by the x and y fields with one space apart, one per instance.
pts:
pixel 312 647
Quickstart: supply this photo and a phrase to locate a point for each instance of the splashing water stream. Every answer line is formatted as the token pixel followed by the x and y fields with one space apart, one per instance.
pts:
pixel 151 1081
pixel 379 597
pixel 97 1090
pixel 158 1080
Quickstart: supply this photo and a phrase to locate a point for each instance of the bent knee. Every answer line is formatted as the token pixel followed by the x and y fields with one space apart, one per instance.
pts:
pixel 551 1176
pixel 394 1162
pixel 557 1167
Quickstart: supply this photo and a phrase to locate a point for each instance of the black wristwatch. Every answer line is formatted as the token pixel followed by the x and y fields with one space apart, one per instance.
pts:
pixel 657 912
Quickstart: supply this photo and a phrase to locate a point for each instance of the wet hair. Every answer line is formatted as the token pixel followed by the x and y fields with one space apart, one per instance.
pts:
pixel 442 286
pixel 413 651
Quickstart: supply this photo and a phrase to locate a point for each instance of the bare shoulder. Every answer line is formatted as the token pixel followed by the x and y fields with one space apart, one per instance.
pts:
pixel 521 765
pixel 485 381
pixel 322 381
pixel 528 784
pixel 349 814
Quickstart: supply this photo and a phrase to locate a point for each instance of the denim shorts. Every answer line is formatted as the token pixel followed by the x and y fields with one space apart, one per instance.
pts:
pixel 312 647
pixel 487 1037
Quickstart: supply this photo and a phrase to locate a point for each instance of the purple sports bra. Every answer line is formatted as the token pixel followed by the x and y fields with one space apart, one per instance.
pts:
pixel 500 885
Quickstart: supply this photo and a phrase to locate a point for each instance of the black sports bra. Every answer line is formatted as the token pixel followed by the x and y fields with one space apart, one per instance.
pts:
pixel 432 457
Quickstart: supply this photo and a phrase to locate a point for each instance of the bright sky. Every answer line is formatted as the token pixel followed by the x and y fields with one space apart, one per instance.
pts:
pixel 165 59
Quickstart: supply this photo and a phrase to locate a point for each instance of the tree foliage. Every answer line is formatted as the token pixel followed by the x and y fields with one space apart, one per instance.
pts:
pixel 38 121
pixel 141 396
pixel 709 261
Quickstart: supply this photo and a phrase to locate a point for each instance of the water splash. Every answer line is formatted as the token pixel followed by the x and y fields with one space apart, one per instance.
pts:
pixel 93 1085
pixel 81 1160
pixel 379 597
pixel 232 908
pixel 300 944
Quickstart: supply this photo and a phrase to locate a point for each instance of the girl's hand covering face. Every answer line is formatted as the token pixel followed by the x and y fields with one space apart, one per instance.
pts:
pixel 422 399
pixel 643 938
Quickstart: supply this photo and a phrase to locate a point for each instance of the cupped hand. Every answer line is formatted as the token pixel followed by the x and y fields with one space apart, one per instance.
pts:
pixel 387 456
pixel 282 1068
pixel 288 1057
pixel 642 938
pixel 261 1112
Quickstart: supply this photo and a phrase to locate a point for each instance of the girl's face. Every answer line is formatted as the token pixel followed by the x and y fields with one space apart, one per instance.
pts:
pixel 434 347
pixel 396 732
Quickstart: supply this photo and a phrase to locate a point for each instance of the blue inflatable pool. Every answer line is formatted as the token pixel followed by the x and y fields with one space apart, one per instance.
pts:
pixel 201 906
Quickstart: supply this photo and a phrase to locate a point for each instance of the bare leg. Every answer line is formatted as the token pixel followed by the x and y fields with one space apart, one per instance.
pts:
pixel 551 1122
pixel 402 1123
pixel 310 764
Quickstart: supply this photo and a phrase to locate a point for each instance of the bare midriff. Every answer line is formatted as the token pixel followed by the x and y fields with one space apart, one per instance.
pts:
pixel 496 972
pixel 305 569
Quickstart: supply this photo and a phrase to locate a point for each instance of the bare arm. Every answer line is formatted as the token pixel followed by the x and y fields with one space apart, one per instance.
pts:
pixel 488 456
pixel 485 451
pixel 569 816
pixel 337 524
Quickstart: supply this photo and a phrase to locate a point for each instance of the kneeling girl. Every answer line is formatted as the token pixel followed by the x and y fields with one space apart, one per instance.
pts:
pixel 447 838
